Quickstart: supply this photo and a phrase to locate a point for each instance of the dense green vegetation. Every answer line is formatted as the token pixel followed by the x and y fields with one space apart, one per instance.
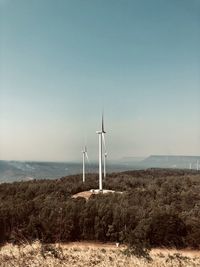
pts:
pixel 157 208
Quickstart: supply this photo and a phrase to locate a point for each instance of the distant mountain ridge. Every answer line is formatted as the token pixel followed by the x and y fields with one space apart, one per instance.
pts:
pixel 28 170
pixel 162 161
pixel 171 161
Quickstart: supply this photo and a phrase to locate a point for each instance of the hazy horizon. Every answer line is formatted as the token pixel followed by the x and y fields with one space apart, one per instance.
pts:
pixel 63 62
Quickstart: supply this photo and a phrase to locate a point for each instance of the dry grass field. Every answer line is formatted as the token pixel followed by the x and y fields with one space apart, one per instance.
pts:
pixel 86 254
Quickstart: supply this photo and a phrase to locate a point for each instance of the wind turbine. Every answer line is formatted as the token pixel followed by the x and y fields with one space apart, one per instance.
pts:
pixel 197 165
pixel 85 156
pixel 101 134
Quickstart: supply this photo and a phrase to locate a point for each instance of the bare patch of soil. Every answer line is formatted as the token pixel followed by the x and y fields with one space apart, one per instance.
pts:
pixel 84 194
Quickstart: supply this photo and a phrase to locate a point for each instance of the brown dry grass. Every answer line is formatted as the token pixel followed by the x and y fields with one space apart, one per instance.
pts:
pixel 36 254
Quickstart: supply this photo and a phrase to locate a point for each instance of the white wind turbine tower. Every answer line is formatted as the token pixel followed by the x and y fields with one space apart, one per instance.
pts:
pixel 197 165
pixel 85 156
pixel 101 138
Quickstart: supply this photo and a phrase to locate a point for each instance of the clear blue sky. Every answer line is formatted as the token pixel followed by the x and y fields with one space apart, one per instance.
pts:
pixel 61 62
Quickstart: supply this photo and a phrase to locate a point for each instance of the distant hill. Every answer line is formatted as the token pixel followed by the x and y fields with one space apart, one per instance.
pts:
pixel 28 170
pixel 168 161
pixel 161 161
pixel 25 170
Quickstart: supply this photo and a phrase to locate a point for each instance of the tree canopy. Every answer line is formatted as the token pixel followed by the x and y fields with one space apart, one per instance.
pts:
pixel 158 207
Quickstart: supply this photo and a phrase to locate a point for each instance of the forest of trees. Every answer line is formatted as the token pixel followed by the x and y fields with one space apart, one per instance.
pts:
pixel 157 207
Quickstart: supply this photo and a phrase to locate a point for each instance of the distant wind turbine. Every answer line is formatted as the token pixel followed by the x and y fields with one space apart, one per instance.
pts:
pixel 101 134
pixel 197 165
pixel 85 156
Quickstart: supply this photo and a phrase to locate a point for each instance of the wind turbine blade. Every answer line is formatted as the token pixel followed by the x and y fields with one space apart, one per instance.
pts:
pixel 102 125
pixel 104 143
pixel 86 154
